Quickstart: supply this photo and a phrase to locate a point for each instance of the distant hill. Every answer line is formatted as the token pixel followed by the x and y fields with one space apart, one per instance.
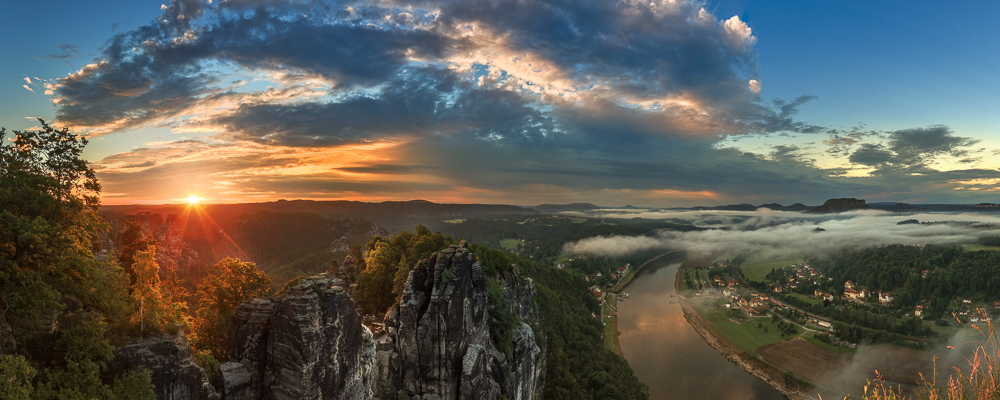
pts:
pixel 751 207
pixel 566 207
pixel 391 215
pixel 841 205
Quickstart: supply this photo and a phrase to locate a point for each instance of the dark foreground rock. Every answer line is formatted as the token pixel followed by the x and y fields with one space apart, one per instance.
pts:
pixel 308 344
pixel 169 357
pixel 439 335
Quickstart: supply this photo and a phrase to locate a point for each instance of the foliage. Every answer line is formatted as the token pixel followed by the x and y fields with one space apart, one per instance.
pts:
pixel 48 219
pixel 132 240
pixel 134 385
pixel 219 296
pixel 381 283
pixel 15 378
pixel 83 349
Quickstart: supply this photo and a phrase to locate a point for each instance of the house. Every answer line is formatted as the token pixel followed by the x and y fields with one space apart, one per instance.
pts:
pixel 848 285
pixel 560 265
pixel 733 283
pixel 923 274
pixel 865 293
pixel 623 269
pixel 852 294
pixel 717 279
pixel 825 324
pixel 828 297
pixel 598 274
pixel 919 311
pixel 884 298
pixel 818 293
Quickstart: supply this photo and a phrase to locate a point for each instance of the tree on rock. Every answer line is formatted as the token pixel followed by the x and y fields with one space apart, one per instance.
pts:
pixel 236 283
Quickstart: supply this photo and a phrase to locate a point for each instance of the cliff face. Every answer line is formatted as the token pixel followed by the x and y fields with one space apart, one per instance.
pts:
pixel 169 357
pixel 841 205
pixel 309 344
pixel 440 338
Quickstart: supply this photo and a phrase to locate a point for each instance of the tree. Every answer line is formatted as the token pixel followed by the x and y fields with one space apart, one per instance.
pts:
pixel 15 378
pixel 236 283
pixel 146 289
pixel 399 282
pixel 48 220
pixel 132 241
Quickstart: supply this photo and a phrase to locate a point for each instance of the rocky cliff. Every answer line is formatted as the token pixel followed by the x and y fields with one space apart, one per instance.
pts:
pixel 307 344
pixel 169 357
pixel 841 205
pixel 439 334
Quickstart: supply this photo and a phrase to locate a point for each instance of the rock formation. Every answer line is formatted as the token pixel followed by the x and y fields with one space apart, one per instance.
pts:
pixel 175 374
pixel 308 344
pixel 841 205
pixel 440 337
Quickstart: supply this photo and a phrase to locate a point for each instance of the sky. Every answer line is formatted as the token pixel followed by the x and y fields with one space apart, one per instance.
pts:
pixel 656 104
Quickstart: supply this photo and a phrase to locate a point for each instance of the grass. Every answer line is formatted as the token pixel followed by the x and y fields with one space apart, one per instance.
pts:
pixel 510 243
pixel 454 221
pixel 758 272
pixel 978 247
pixel 578 220
pixel 729 255
pixel 745 335
pixel 771 256
pixel 811 338
pixel 806 299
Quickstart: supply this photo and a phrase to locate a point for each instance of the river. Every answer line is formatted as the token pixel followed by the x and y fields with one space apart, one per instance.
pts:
pixel 667 354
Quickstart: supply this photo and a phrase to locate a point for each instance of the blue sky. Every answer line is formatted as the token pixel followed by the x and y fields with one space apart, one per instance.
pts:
pixel 651 104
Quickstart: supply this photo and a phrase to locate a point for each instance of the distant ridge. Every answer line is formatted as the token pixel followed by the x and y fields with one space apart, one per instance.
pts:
pixel 566 207
pixel 751 207
pixel 841 205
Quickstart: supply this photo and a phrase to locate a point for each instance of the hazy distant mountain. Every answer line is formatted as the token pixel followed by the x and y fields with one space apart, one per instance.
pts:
pixel 751 207
pixel 566 207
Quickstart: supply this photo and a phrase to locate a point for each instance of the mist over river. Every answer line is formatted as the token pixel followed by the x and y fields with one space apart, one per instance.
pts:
pixel 665 351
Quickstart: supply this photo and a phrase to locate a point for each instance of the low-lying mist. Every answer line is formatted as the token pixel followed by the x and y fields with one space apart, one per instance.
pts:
pixel 793 232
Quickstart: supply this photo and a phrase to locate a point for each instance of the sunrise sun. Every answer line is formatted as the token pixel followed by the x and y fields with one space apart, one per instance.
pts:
pixel 194 199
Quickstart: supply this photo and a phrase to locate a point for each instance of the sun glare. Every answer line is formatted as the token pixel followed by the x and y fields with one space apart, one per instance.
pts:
pixel 194 199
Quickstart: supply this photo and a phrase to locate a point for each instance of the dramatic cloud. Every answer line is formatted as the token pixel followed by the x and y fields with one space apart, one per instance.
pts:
pixel 503 101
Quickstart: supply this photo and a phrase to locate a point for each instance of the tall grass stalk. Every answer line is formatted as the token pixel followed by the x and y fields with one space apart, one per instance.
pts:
pixel 980 381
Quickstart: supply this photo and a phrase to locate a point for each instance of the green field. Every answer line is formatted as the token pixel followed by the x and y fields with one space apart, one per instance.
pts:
pixel 510 243
pixel 770 255
pixel 454 221
pixel 729 255
pixel 758 272
pixel 578 220
pixel 978 247
pixel 806 299
pixel 746 335
pixel 811 338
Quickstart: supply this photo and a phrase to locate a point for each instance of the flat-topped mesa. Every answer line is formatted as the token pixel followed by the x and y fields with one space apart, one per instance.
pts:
pixel 440 335
pixel 841 205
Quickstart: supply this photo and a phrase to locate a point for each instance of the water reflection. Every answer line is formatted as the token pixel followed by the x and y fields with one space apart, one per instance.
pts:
pixel 668 355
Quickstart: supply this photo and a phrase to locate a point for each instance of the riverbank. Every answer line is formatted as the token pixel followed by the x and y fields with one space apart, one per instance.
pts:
pixel 628 277
pixel 611 332
pixel 748 362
